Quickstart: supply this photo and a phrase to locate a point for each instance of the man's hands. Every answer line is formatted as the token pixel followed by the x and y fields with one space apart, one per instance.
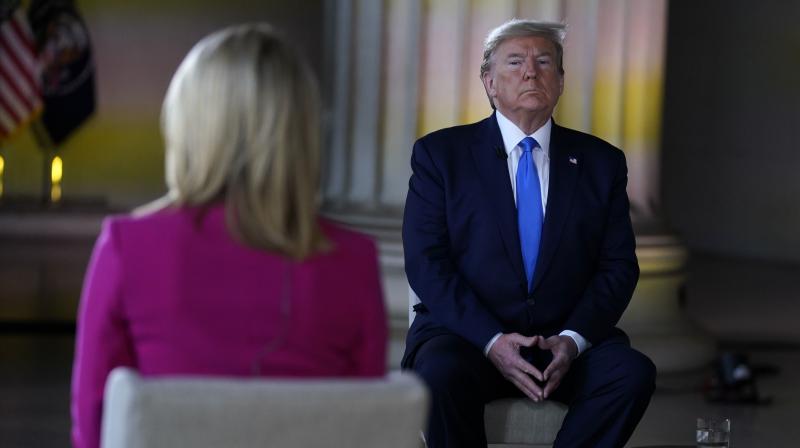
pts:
pixel 504 354
pixel 564 351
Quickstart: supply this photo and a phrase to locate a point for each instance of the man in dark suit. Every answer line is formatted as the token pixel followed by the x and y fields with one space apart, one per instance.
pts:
pixel 518 242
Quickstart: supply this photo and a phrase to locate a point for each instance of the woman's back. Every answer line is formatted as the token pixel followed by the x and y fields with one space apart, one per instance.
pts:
pixel 197 301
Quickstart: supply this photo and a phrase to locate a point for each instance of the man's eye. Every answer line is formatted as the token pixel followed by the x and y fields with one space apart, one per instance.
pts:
pixel 544 61
pixel 515 62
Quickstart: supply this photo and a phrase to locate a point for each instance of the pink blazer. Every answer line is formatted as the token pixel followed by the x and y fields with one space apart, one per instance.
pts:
pixel 174 293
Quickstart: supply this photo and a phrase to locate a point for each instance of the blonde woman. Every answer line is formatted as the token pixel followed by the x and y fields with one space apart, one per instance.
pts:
pixel 232 272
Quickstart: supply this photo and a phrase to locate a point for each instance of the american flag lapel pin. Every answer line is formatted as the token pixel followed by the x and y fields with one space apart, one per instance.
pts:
pixel 573 160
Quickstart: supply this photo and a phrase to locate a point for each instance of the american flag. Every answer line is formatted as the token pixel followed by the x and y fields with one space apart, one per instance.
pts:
pixel 20 89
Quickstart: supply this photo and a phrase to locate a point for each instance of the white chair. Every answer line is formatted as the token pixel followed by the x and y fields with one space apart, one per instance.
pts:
pixel 515 422
pixel 206 412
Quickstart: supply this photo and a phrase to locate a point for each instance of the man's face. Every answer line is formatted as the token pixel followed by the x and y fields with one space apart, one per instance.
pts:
pixel 524 76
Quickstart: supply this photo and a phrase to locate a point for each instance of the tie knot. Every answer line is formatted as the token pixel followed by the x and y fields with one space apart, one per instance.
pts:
pixel 528 143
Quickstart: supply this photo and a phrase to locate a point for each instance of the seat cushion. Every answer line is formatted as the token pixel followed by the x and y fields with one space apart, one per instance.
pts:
pixel 522 421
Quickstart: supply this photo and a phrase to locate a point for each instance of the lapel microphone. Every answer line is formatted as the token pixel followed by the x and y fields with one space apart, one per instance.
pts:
pixel 501 153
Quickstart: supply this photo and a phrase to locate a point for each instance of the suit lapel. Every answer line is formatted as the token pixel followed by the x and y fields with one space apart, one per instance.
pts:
pixel 565 163
pixel 493 173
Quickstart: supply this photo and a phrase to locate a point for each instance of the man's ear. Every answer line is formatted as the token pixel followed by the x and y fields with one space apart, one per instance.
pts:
pixel 488 84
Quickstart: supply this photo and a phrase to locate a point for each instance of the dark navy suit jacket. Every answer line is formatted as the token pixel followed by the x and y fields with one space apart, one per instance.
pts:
pixel 461 242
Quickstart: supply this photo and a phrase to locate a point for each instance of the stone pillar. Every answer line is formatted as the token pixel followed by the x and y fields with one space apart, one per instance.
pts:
pixel 398 69
pixel 371 93
pixel 614 62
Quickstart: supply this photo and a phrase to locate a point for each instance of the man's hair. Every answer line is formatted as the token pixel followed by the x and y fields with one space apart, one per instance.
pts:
pixel 241 124
pixel 552 31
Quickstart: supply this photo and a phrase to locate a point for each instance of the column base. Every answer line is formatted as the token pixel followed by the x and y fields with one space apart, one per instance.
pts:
pixel 654 320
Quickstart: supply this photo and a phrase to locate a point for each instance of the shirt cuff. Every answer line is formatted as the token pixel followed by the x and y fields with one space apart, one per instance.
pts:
pixel 491 343
pixel 580 341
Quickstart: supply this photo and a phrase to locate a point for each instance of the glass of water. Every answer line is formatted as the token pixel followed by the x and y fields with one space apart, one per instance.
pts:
pixel 713 432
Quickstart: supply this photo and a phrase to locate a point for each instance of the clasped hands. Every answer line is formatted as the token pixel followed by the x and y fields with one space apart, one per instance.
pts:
pixel 505 355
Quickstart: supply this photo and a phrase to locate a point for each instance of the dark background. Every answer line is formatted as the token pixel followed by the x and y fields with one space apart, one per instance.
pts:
pixel 731 134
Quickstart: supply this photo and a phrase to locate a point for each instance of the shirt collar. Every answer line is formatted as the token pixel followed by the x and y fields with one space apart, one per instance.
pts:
pixel 512 135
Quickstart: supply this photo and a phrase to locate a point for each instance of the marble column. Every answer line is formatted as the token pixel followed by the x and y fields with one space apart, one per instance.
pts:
pixel 370 88
pixel 398 69
pixel 614 59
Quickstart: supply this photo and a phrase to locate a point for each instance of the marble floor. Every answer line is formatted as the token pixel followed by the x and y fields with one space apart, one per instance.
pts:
pixel 671 417
pixel 35 367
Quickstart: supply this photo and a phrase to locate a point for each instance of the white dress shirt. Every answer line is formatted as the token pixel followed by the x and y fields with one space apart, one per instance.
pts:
pixel 512 135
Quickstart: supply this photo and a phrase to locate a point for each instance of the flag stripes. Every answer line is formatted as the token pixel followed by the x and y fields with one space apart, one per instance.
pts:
pixel 20 90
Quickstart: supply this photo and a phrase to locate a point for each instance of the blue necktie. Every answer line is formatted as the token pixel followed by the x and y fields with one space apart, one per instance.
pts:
pixel 529 207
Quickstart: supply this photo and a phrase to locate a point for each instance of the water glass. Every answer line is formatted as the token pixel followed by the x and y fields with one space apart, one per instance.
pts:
pixel 713 432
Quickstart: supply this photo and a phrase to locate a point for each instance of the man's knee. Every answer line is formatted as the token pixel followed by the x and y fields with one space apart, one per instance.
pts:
pixel 445 365
pixel 441 372
pixel 639 374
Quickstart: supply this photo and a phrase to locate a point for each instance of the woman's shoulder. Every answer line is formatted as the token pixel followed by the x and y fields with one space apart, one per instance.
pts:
pixel 140 221
pixel 157 227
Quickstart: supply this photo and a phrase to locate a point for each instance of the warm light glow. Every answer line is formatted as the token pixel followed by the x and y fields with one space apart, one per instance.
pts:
pixel 55 193
pixel 56 170
pixel 2 168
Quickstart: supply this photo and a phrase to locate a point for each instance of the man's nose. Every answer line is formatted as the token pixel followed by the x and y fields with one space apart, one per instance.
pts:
pixel 530 70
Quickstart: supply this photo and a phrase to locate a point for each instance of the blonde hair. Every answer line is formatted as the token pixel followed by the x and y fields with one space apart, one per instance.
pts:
pixel 241 124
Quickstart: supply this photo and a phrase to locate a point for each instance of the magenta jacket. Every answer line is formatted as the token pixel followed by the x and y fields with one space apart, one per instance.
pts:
pixel 174 293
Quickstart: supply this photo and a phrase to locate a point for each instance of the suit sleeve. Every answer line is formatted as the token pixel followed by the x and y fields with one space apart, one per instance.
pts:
pixel 102 340
pixel 430 268
pixel 610 289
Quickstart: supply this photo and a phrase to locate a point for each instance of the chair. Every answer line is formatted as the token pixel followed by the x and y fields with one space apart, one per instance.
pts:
pixel 205 412
pixel 515 422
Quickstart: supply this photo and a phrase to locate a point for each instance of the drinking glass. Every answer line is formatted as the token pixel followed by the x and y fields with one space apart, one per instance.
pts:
pixel 713 432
